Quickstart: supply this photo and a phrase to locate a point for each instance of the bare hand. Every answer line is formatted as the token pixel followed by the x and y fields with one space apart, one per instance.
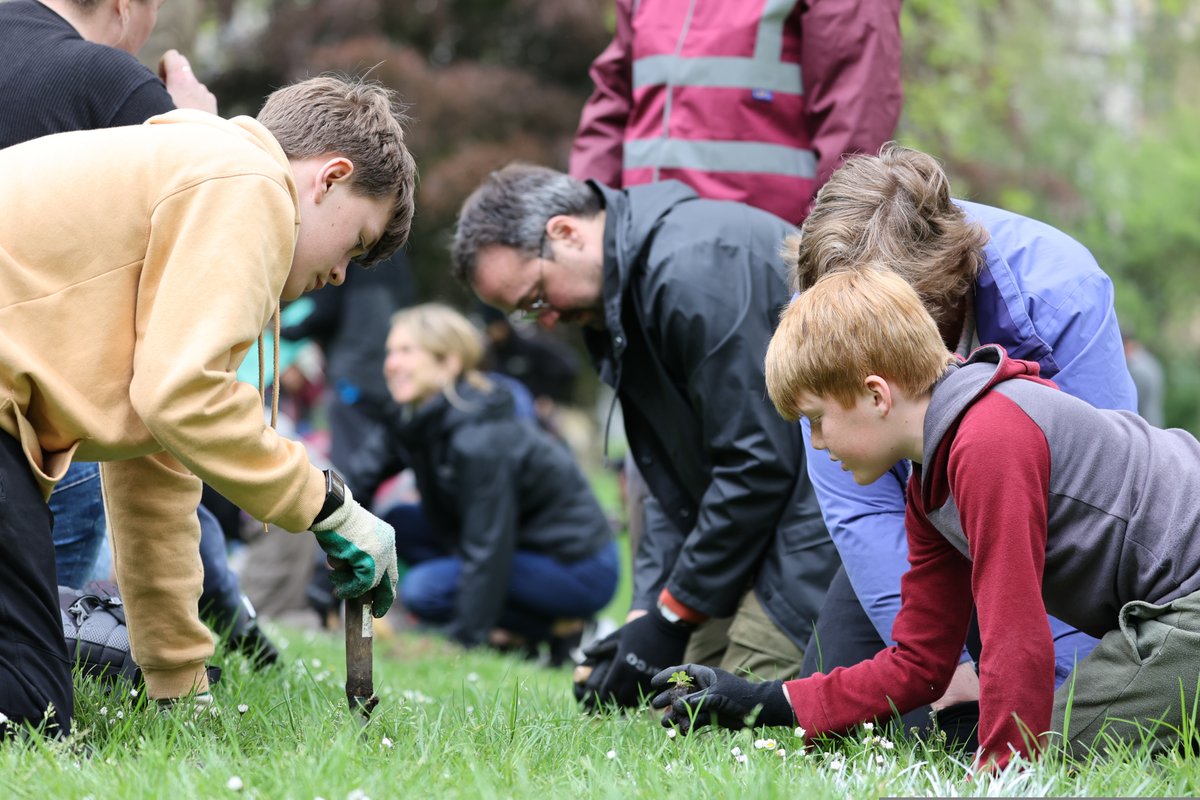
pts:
pixel 964 687
pixel 182 84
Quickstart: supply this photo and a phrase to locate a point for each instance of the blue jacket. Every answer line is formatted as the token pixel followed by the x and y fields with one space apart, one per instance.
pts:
pixel 1042 296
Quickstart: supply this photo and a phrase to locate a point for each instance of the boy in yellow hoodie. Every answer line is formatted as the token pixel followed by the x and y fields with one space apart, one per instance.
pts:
pixel 138 266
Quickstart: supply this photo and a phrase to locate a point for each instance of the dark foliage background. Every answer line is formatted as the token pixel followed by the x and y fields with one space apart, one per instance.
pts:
pixel 1080 112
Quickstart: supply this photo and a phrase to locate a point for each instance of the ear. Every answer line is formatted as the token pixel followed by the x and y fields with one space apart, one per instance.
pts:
pixel 881 394
pixel 564 228
pixel 123 11
pixel 335 170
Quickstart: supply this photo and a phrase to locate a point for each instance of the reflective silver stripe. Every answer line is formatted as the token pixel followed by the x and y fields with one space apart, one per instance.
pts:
pixel 670 96
pixel 763 70
pixel 769 44
pixel 708 156
pixel 719 72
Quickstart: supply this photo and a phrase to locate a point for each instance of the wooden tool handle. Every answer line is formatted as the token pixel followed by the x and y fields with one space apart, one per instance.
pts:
pixel 360 684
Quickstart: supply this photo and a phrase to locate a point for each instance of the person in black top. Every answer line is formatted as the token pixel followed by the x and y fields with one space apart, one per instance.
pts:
pixel 509 538
pixel 677 297
pixel 68 66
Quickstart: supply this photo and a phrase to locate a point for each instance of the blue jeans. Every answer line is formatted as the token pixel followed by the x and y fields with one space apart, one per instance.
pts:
pixel 80 555
pixel 541 589
pixel 221 601
pixel 79 527
pixel 416 542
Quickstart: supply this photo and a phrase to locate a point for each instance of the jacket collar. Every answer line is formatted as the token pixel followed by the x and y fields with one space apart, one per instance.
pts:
pixel 1000 311
pixel 632 216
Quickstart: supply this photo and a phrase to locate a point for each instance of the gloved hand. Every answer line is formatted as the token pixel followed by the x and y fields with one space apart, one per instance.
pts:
pixel 597 662
pixel 362 551
pixel 720 697
pixel 645 645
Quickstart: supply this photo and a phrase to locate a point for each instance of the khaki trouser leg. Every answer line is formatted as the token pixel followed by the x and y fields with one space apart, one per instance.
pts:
pixel 748 643
pixel 1138 682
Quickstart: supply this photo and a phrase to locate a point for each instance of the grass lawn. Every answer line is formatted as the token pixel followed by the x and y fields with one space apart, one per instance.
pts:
pixel 456 724
pixel 478 725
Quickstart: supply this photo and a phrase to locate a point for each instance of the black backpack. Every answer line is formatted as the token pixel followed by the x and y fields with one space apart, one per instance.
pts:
pixel 93 620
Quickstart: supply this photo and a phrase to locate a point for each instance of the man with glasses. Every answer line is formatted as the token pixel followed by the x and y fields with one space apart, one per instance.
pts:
pixel 677 297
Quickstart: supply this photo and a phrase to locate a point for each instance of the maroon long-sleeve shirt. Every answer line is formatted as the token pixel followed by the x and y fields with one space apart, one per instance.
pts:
pixel 995 465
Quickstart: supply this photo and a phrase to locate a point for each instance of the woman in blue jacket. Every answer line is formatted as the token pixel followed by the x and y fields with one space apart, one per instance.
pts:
pixel 508 541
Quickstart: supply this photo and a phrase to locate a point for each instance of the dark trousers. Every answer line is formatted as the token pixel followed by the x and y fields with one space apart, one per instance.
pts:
pixel 35 673
pixel 221 601
pixel 845 636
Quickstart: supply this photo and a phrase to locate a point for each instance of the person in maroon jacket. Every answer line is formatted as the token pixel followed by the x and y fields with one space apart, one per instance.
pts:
pixel 753 102
pixel 1023 500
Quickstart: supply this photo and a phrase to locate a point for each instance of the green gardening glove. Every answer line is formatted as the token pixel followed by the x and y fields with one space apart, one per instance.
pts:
pixel 362 552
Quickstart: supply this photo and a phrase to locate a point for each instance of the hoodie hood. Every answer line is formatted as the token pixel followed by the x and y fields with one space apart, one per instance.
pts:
pixel 956 391
pixel 631 219
pixel 246 128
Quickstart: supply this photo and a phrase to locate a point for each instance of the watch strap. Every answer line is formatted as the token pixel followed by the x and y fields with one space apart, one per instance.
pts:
pixel 335 496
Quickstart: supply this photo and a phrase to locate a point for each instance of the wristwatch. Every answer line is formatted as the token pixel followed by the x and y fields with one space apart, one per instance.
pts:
pixel 335 495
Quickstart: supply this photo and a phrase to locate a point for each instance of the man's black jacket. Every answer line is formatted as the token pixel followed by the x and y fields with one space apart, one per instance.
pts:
pixel 692 293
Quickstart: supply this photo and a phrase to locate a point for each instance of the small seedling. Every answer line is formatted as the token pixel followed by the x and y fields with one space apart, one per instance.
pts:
pixel 681 684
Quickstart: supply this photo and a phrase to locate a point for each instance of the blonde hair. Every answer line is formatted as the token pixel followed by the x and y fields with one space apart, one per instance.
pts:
pixel 361 120
pixel 443 332
pixel 894 210
pixel 849 325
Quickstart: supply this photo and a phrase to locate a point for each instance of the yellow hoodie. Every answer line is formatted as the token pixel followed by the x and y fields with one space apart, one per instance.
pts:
pixel 137 267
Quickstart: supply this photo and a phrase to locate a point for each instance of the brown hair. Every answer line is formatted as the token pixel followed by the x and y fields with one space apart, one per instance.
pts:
pixel 894 210
pixel 851 324
pixel 361 120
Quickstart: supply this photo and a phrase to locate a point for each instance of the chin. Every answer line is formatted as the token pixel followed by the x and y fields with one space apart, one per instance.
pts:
pixel 289 293
pixel 866 478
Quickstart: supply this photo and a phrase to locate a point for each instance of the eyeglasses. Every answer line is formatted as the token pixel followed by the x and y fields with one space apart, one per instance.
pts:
pixel 539 305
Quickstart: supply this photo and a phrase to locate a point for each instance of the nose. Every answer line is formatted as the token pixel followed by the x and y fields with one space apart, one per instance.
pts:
pixel 818 441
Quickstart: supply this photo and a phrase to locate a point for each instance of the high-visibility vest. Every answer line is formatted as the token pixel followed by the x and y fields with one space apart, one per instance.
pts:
pixel 718 102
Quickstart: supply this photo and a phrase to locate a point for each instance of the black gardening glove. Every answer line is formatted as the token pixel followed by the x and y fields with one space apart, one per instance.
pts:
pixel 717 696
pixel 645 645
pixel 960 723
pixel 597 661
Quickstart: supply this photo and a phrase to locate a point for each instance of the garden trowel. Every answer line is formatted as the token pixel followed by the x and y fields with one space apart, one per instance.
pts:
pixel 360 684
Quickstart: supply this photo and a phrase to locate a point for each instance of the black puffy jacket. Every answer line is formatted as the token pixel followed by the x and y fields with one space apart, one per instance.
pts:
pixel 692 293
pixel 490 484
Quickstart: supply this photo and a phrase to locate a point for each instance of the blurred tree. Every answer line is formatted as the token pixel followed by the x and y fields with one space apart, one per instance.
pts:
pixel 489 81
pixel 1081 113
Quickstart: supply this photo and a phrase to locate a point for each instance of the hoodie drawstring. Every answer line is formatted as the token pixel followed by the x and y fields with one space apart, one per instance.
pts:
pixel 262 377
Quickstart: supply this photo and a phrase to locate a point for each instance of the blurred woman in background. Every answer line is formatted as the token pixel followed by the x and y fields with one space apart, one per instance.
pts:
pixel 508 545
